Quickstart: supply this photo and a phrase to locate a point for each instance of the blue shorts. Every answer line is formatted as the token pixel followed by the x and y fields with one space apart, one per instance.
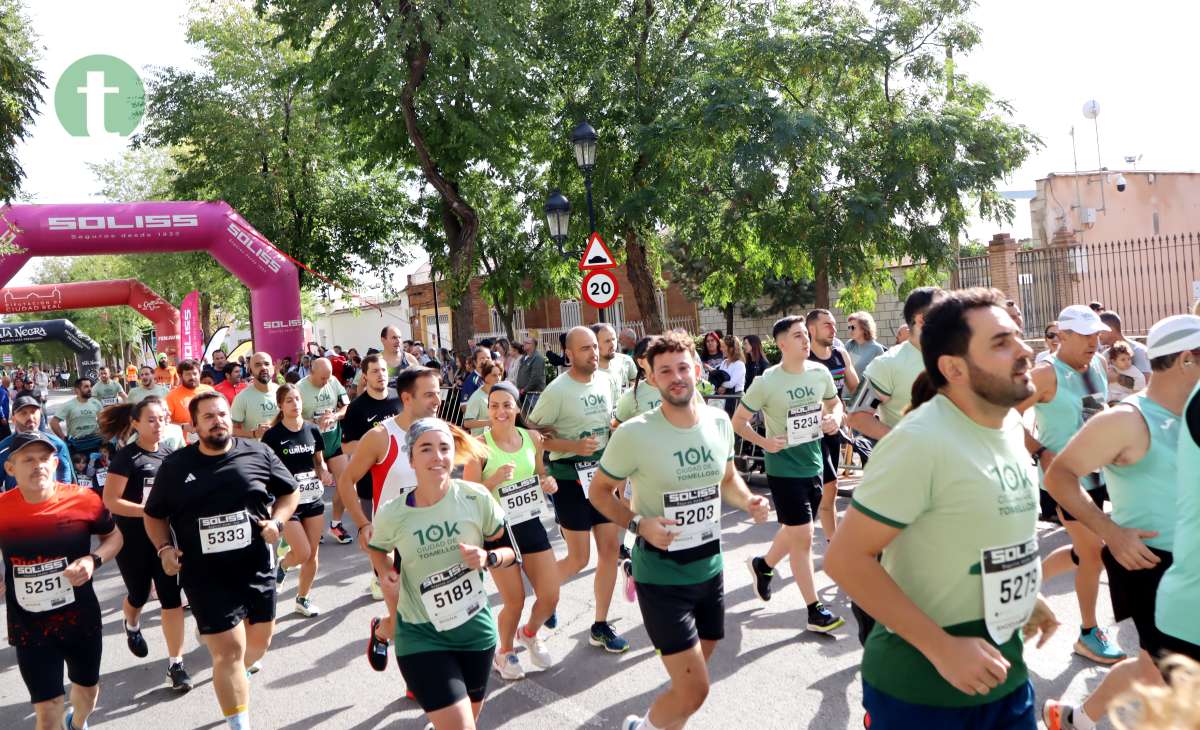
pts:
pixel 1014 711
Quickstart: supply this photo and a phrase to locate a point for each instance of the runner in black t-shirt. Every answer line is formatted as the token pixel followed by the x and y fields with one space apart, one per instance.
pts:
pixel 46 533
pixel 299 445
pixel 225 500
pixel 822 333
pixel 372 407
pixel 130 478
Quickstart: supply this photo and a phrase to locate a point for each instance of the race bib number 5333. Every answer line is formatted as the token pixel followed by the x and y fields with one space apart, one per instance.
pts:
pixel 1012 575
pixel 222 533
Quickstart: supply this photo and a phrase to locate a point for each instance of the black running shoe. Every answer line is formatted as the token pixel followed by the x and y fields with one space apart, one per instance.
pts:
pixel 822 620
pixel 377 649
pixel 180 680
pixel 137 643
pixel 762 577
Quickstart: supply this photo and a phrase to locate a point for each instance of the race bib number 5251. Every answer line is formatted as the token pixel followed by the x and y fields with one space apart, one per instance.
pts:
pixel 42 586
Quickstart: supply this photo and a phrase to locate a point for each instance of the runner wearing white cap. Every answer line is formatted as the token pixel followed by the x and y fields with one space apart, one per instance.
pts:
pixel 1071 386
pixel 1135 443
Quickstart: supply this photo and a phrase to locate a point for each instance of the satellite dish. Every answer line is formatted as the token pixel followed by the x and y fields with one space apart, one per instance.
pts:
pixel 1091 109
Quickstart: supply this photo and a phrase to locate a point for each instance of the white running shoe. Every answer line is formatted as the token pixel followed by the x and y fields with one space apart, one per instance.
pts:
pixel 508 666
pixel 376 589
pixel 538 654
pixel 305 607
pixel 631 722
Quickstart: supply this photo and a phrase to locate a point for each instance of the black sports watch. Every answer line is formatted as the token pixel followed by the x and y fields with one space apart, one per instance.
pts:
pixel 493 559
pixel 97 561
pixel 1037 455
pixel 634 522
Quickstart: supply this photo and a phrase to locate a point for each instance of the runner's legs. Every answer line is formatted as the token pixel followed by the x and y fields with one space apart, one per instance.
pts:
pixel 258 640
pixel 543 575
pixel 689 686
pixel 228 651
pixel 512 593
pixel 795 542
pixel 605 582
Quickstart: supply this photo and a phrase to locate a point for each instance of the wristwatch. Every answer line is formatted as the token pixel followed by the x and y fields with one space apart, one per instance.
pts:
pixel 97 561
pixel 1037 455
pixel 493 559
pixel 634 523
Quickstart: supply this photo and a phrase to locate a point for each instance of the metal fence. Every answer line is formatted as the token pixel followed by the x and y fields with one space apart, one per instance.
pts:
pixel 1143 279
pixel 973 271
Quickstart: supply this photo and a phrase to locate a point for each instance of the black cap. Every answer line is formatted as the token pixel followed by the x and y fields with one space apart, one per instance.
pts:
pixel 25 400
pixel 21 440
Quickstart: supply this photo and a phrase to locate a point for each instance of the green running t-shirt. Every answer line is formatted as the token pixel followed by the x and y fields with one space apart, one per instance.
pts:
pixel 576 410
pixel 432 574
pixel 1076 397
pixel 953 488
pixel 325 399
pixel 80 419
pixel 108 393
pixel 784 397
pixel 137 394
pixel 1179 591
pixel 892 374
pixel 1144 494
pixel 681 473
pixel 253 408
pixel 636 401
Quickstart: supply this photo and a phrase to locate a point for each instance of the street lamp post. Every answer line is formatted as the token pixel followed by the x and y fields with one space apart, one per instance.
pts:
pixel 558 208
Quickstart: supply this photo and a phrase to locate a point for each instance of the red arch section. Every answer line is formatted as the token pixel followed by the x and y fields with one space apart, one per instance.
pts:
pixel 88 294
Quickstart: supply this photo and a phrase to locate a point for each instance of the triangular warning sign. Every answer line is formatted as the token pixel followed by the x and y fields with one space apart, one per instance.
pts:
pixel 596 255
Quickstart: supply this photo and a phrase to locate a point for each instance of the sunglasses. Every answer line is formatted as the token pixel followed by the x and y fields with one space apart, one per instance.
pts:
pixel 1051 335
pixel 852 328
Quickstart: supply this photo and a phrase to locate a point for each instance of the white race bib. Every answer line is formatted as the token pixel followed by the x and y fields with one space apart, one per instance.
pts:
pixel 311 490
pixel 109 401
pixel 42 586
pixel 698 514
pixel 586 471
pixel 332 424
pixel 803 424
pixel 83 480
pixel 147 485
pixel 222 533
pixel 101 477
pixel 716 403
pixel 452 596
pixel 1012 576
pixel 522 501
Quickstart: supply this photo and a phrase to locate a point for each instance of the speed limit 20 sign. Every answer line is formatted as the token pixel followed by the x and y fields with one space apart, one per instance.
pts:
pixel 600 289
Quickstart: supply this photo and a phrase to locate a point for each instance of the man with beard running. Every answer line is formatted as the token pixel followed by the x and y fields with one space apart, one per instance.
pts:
pixel 181 395
pixel 77 420
pixel 1070 388
pixel 678 489
pixel 616 363
pixel 822 333
pixel 253 410
pixel 373 406
pixel 957 590
pixel 108 391
pixel 382 453
pixel 214 514
pixel 146 386
pixel 575 414
pixel 1136 444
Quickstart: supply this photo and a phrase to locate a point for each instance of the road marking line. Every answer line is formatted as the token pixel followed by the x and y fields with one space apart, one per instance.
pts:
pixel 576 713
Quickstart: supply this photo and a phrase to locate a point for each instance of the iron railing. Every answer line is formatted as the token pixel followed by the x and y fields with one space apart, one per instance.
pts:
pixel 972 271
pixel 1142 279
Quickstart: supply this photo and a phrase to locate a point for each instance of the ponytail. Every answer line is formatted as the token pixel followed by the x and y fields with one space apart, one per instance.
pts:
pixel 467 448
pixel 116 420
pixel 923 391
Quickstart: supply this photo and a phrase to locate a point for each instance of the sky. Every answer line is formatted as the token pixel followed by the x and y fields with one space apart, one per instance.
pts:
pixel 1046 58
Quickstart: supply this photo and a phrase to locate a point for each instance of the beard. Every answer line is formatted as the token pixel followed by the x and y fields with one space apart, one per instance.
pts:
pixel 263 376
pixel 678 401
pixel 1001 391
pixel 216 441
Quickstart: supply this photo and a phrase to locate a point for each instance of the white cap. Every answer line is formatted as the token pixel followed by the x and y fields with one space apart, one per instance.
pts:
pixel 1080 318
pixel 1179 333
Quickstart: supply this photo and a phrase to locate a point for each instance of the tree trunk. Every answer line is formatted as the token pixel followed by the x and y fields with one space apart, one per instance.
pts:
pixel 206 323
pixel 729 318
pixel 637 268
pixel 821 281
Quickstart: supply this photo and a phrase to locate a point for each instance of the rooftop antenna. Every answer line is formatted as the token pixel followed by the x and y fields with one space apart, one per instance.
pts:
pixel 1091 110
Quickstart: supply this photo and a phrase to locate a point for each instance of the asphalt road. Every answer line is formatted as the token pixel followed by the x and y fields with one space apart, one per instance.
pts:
pixel 767 671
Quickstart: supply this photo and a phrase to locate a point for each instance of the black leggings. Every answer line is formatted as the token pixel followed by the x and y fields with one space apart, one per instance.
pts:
pixel 140 566
pixel 439 679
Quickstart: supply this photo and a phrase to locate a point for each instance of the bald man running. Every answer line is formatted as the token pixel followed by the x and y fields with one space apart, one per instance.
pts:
pixel 574 414
pixel 253 410
pixel 324 404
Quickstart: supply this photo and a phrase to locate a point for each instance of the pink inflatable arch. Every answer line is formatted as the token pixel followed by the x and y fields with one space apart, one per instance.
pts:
pixel 88 294
pixel 157 227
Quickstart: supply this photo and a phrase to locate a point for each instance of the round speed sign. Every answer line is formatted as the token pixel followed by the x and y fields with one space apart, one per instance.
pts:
pixel 600 289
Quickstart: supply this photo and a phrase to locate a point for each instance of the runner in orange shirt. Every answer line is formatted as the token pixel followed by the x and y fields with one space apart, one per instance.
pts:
pixel 181 395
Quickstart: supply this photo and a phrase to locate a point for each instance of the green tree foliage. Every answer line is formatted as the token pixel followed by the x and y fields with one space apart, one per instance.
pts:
pixel 21 85
pixel 245 129
pixel 445 90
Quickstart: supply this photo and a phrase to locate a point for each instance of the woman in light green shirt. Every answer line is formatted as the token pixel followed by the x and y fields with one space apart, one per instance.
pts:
pixel 475 416
pixel 445 630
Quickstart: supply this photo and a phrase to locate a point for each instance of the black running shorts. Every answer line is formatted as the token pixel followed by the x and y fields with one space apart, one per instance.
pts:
pixel 573 510
pixel 1134 594
pixel 530 535
pixel 796 499
pixel 304 511
pixel 439 679
pixel 1099 496
pixel 42 666
pixel 831 455
pixel 140 566
pixel 677 617
pixel 219 605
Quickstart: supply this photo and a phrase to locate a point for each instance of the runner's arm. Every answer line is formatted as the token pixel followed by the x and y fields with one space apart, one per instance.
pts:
pixel 1044 386
pixel 863 410
pixel 742 427
pixel 552 443
pixel 114 487
pixel 56 425
pixel 158 530
pixel 602 495
pixel 1103 440
pixel 833 407
pixel 852 379
pixel 366 455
